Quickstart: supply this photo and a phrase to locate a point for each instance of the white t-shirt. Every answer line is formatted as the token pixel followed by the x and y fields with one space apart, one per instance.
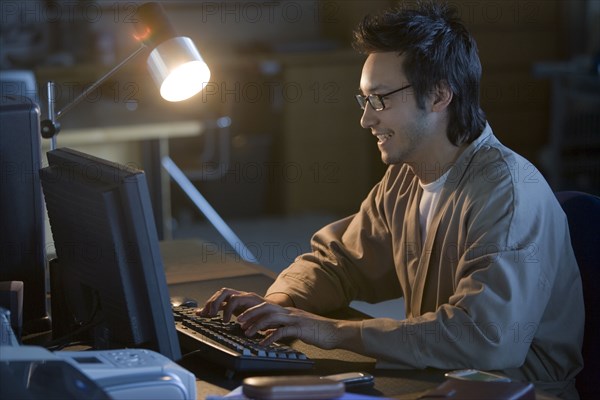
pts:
pixel 429 200
pixel 431 195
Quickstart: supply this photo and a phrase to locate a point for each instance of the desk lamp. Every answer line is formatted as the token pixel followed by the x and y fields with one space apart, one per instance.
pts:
pixel 179 72
pixel 174 64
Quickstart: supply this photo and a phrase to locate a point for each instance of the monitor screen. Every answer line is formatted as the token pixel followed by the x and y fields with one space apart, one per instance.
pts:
pixel 108 283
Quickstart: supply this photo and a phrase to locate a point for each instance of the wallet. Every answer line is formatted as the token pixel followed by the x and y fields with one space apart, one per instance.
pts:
pixel 298 387
pixel 457 389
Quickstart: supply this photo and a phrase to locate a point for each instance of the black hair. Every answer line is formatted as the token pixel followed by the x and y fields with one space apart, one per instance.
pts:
pixel 437 49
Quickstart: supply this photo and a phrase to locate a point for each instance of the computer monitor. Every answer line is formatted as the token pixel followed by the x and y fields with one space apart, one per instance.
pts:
pixel 22 247
pixel 108 283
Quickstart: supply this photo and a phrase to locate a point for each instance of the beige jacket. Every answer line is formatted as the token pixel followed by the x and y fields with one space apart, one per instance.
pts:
pixel 495 285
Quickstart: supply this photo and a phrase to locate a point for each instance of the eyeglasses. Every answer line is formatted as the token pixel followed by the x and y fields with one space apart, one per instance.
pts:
pixel 376 100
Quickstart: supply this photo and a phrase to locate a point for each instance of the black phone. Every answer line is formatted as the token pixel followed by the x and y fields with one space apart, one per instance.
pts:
pixel 352 379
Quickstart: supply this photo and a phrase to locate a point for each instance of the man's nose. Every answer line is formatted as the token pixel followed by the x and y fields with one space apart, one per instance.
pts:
pixel 369 117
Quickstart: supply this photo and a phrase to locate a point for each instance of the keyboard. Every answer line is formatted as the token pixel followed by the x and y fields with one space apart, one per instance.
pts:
pixel 224 343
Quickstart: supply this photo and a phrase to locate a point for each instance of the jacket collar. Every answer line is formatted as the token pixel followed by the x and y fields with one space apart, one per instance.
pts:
pixel 461 166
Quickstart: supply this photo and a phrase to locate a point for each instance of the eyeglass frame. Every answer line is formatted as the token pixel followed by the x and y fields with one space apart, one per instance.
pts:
pixel 363 100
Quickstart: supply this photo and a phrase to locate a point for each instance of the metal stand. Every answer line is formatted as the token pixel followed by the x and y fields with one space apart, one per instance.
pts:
pixel 207 210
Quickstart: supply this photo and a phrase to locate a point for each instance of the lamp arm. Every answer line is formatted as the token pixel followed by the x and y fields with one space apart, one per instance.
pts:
pixel 99 82
pixel 50 127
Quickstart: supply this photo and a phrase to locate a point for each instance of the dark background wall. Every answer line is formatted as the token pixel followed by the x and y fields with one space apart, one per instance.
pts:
pixel 285 74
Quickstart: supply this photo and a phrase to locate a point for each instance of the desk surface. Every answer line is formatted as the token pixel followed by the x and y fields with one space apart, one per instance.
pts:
pixel 407 384
pixel 125 133
pixel 194 272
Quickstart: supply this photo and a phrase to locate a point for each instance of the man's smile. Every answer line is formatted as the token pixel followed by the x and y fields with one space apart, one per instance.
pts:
pixel 383 137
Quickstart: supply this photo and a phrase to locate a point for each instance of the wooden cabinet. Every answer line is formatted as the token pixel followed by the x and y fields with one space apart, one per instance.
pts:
pixel 329 161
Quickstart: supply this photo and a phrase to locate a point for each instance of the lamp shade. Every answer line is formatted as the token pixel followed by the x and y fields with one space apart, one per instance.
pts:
pixel 178 69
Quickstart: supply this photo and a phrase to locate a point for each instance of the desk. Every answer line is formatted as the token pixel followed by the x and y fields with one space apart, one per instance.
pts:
pixel 398 384
pixel 141 146
pixel 191 272
pixel 194 271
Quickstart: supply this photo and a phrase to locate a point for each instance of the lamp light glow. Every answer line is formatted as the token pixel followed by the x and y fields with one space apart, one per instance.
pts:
pixel 174 64
pixel 178 69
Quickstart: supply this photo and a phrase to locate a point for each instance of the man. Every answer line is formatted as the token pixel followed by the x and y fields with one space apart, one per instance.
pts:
pixel 467 231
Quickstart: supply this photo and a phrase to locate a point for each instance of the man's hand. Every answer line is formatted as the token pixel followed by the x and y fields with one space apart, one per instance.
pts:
pixel 274 316
pixel 231 301
pixel 289 322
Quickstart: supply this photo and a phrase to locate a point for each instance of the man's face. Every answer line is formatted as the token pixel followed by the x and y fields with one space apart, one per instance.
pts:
pixel 404 132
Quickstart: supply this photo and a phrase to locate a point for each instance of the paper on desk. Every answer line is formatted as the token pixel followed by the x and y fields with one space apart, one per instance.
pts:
pixel 236 394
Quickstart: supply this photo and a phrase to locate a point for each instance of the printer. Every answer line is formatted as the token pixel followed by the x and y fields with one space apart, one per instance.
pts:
pixel 128 374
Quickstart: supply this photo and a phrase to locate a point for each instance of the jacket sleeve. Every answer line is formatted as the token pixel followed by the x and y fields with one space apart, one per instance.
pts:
pixel 351 259
pixel 489 323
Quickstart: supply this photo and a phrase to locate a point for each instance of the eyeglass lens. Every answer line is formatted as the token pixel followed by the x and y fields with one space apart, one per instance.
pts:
pixel 374 100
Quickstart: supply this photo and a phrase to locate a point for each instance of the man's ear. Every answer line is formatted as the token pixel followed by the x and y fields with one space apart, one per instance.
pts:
pixel 442 97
